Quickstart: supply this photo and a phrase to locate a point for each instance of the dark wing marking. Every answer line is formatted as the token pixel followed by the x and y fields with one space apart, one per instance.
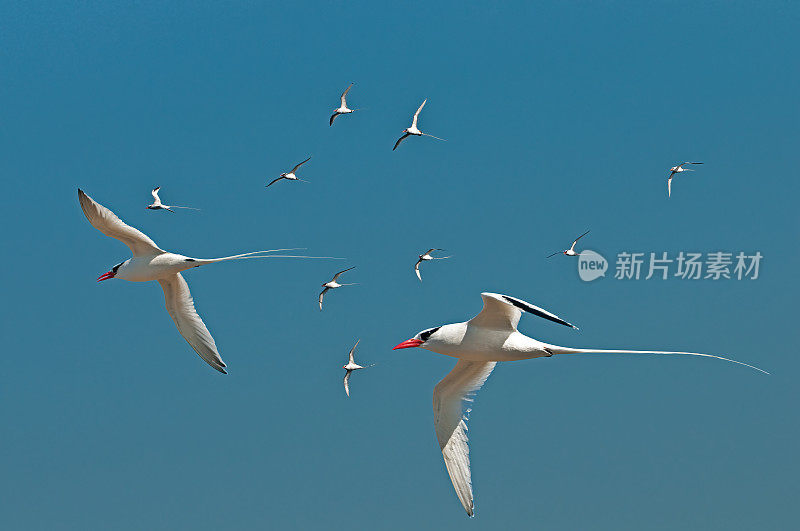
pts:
pixel 535 310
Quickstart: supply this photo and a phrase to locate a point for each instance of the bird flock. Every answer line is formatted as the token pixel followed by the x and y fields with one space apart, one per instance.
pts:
pixel 478 344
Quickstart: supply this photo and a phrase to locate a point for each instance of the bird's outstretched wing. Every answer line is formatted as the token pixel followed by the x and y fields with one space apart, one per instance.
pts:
pixel 353 350
pixel 416 114
pixel 416 268
pixel 336 276
pixel 109 224
pixel 321 295
pixel 578 238
pixel 450 413
pixel 400 140
pixel 333 117
pixel 181 308
pixel 154 193
pixel 501 312
pixel 274 181
pixel 344 95
pixel 669 186
pixel 298 166
pixel 346 382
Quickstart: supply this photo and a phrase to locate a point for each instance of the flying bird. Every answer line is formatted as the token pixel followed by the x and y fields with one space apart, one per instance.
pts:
pixel 290 175
pixel 413 129
pixel 424 258
pixel 350 367
pixel 333 284
pixel 677 169
pixel 150 262
pixel 478 344
pixel 158 205
pixel 571 250
pixel 343 107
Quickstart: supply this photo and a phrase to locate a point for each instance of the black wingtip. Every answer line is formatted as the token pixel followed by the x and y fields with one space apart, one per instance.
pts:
pixel 527 307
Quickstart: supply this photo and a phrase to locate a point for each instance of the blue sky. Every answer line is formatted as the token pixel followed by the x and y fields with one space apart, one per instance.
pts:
pixel 559 117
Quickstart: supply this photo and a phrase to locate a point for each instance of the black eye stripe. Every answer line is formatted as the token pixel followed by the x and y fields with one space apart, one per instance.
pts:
pixel 427 333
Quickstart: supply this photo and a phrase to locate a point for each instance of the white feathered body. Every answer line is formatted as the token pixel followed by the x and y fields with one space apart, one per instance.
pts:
pixel 471 343
pixel 154 267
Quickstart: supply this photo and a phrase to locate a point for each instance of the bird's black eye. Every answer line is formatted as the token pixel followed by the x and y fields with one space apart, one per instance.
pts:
pixel 114 269
pixel 426 334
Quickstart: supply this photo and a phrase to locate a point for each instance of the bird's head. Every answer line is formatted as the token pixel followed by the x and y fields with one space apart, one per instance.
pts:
pixel 113 272
pixel 420 339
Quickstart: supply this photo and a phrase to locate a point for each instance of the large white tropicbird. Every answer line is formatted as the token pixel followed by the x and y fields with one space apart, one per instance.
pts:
pixel 150 262
pixel 479 343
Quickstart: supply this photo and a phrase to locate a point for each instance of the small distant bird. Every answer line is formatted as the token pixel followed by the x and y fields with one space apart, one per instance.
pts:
pixel 571 250
pixel 290 175
pixel 677 169
pixel 350 367
pixel 150 262
pixel 158 205
pixel 478 344
pixel 424 258
pixel 333 284
pixel 343 108
pixel 413 129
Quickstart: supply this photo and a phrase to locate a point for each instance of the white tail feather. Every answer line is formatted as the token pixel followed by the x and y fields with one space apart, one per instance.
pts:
pixel 258 254
pixel 566 350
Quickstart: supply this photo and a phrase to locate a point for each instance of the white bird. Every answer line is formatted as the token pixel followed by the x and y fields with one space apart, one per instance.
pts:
pixel 158 205
pixel 571 250
pixel 413 129
pixel 350 367
pixel 333 284
pixel 343 107
pixel 489 337
pixel 290 175
pixel 424 258
pixel 150 262
pixel 677 169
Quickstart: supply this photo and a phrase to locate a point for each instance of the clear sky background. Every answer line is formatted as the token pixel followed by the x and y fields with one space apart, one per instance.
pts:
pixel 559 117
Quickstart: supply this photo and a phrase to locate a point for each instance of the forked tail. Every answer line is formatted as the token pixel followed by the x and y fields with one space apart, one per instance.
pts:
pixel 555 349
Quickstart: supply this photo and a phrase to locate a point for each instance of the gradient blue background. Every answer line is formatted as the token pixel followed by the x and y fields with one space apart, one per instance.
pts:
pixel 559 118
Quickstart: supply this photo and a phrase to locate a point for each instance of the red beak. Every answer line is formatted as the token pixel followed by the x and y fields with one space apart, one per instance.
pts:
pixel 105 276
pixel 409 343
